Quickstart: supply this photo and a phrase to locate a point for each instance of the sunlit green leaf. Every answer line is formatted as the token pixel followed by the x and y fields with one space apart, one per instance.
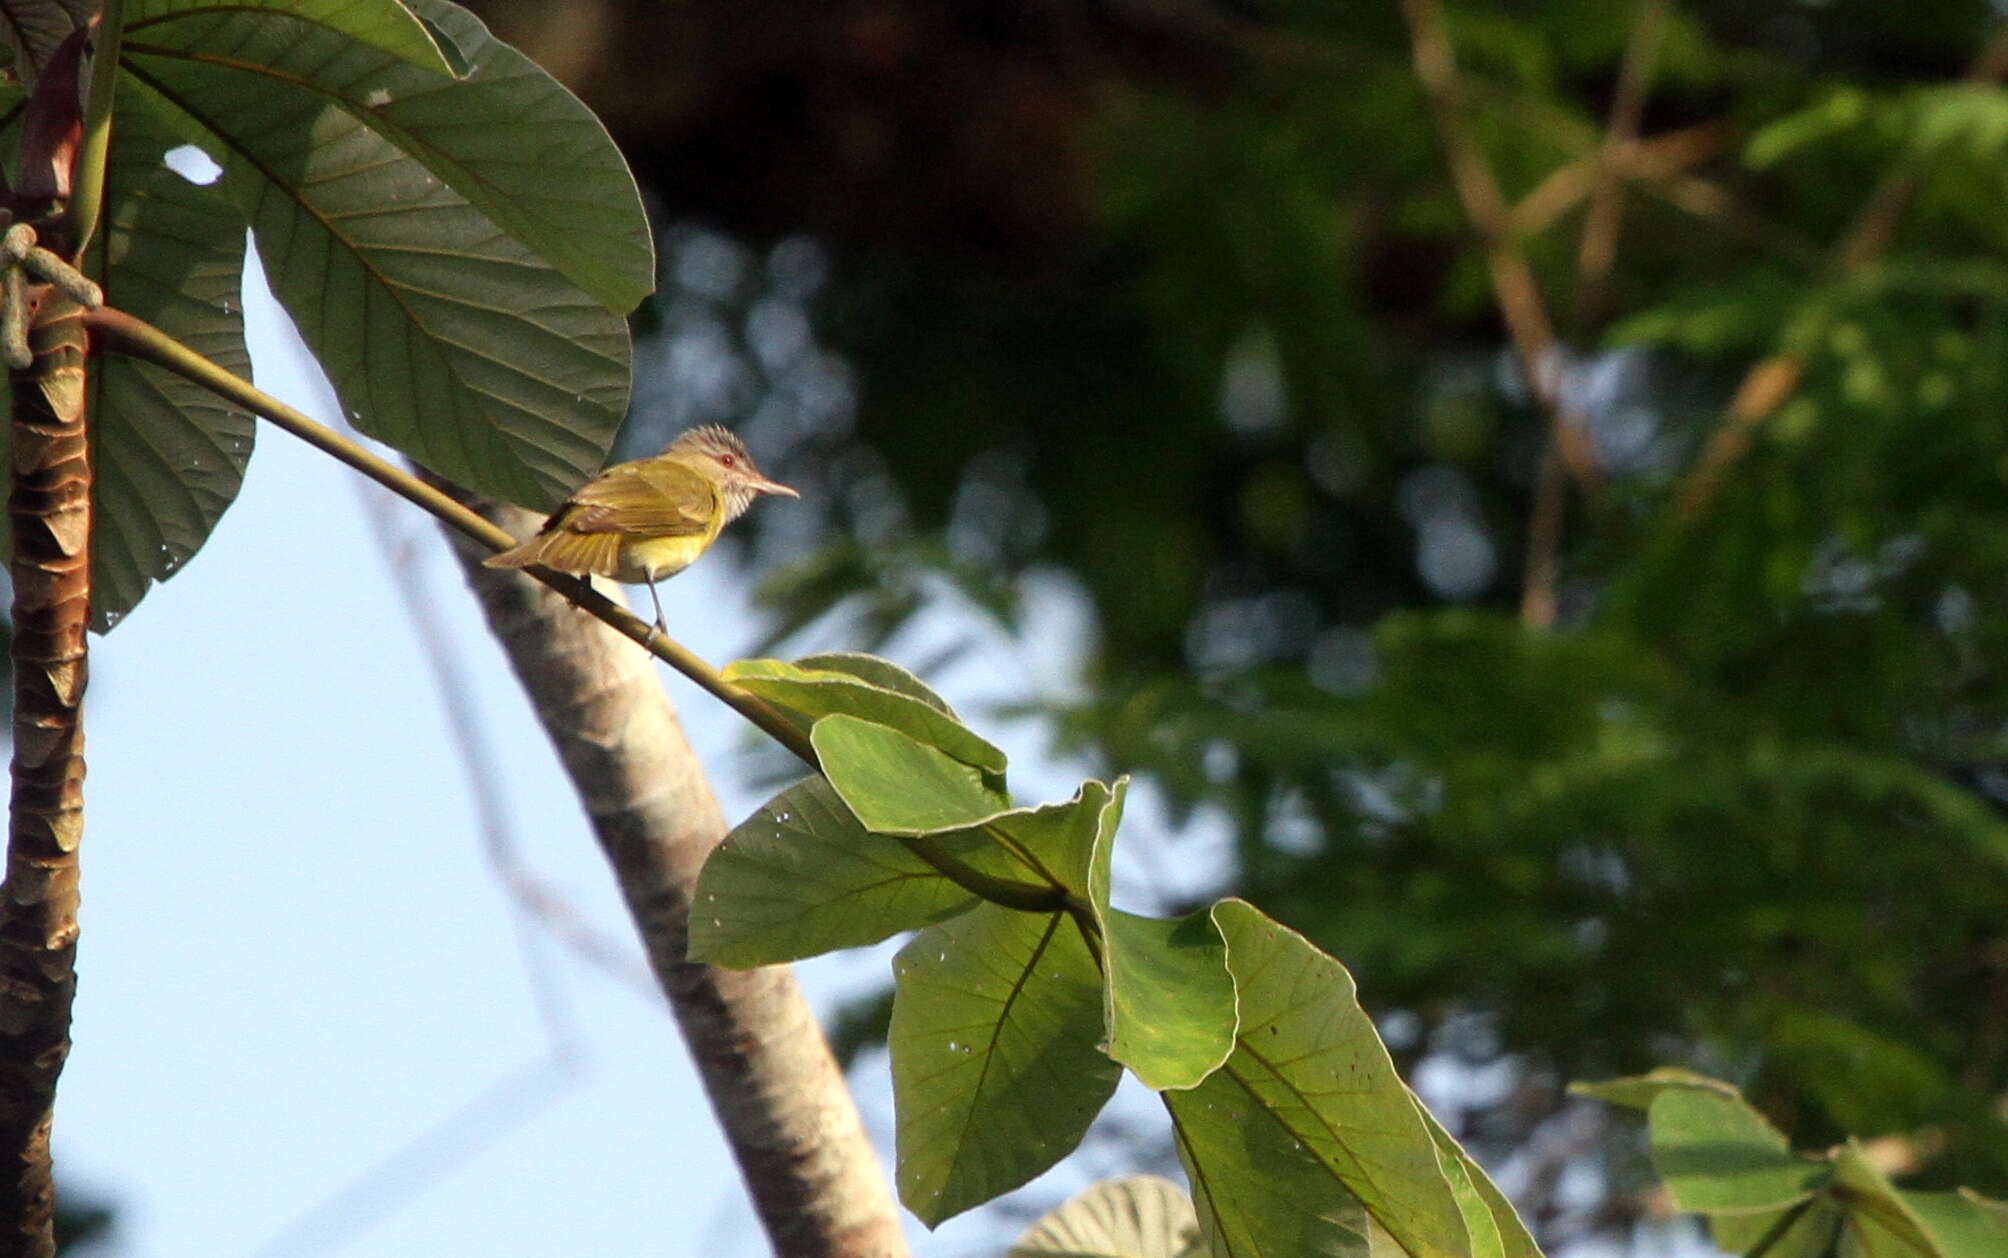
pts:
pixel 995 1069
pixel 895 784
pixel 815 693
pixel 1171 1000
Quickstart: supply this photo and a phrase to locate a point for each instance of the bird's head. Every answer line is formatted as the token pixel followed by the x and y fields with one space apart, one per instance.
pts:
pixel 721 458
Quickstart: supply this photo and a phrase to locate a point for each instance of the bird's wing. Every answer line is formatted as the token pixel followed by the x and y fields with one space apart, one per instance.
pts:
pixel 646 498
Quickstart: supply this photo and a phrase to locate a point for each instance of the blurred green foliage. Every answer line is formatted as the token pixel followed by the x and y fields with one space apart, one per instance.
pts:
pixel 1743 807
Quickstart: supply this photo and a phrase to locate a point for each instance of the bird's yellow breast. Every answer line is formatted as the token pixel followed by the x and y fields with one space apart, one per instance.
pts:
pixel 653 558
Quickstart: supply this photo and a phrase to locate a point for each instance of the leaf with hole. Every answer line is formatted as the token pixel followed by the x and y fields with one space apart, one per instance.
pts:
pixel 168 456
pixel 421 231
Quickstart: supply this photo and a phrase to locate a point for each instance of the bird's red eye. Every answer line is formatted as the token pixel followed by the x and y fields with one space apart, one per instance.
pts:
pixel 727 460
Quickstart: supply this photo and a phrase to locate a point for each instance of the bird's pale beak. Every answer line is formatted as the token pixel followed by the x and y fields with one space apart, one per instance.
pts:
pixel 762 485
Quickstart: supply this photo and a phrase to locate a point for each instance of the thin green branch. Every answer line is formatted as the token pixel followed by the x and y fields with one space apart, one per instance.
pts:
pixel 87 184
pixel 139 339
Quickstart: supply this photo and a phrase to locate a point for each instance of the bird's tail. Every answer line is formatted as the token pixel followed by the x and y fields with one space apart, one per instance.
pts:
pixel 526 555
pixel 585 554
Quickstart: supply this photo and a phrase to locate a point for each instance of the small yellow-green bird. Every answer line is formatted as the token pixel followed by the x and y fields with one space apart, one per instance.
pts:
pixel 649 519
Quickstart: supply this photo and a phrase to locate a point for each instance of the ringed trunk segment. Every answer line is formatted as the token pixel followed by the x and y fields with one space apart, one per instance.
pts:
pixel 49 509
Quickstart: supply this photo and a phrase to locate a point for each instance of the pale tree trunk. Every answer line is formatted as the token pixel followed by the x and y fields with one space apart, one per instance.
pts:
pixel 786 1112
pixel 49 509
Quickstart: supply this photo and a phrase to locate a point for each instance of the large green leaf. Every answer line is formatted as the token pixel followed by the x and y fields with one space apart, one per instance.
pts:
pixel 441 331
pixel 385 25
pixel 168 456
pixel 813 693
pixel 508 137
pixel 801 877
pixel 995 1019
pixel 1134 1216
pixel 1716 1153
pixel 1309 1056
pixel 896 784
pixel 1259 1193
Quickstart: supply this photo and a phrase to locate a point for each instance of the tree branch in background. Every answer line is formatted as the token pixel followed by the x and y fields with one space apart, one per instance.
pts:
pixel 779 1096
pixel 1598 250
pixel 1594 259
pixel 1528 326
pixel 1768 384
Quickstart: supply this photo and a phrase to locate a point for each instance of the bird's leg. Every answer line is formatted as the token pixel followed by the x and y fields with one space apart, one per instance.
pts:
pixel 653 597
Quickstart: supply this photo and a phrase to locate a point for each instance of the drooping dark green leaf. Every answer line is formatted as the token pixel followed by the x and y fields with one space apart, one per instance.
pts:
pixel 1308 1055
pixel 812 693
pixel 801 877
pixel 168 456
pixel 507 136
pixel 441 331
pixel 895 784
pixel 996 1073
pixel 1259 1193
pixel 1134 1216
pixel 1716 1153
